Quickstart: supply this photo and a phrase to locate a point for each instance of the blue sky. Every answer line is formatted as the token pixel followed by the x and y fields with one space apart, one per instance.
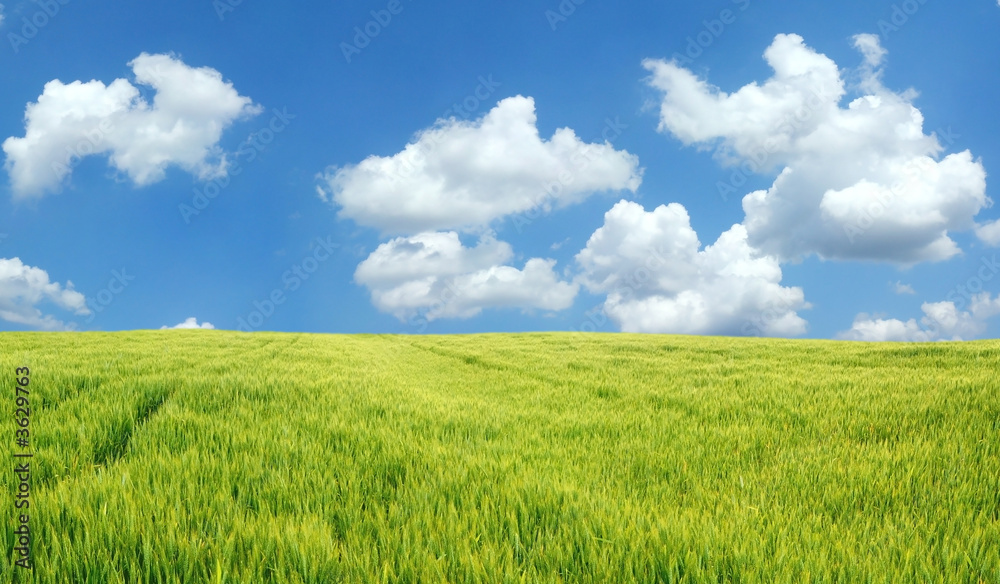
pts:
pixel 511 167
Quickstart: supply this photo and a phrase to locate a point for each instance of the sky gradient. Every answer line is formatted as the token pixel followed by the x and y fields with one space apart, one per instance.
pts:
pixel 736 167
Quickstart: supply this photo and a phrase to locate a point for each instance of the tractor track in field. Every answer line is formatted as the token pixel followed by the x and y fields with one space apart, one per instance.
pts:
pixel 474 361
pixel 78 386
pixel 115 443
pixel 111 451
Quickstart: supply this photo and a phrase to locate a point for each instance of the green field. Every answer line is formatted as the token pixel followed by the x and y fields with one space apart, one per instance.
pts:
pixel 209 456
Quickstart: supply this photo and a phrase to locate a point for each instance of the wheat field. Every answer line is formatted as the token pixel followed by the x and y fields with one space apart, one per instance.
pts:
pixel 212 456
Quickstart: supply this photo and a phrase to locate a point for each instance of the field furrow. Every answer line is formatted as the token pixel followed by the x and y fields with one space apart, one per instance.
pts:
pixel 189 456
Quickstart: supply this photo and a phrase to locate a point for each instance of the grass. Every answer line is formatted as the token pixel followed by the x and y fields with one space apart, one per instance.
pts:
pixel 210 456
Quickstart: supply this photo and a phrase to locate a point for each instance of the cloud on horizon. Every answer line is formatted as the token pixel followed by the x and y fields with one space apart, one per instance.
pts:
pixel 23 288
pixel 190 323
pixel 431 275
pixel 460 176
pixel 658 280
pixel 942 321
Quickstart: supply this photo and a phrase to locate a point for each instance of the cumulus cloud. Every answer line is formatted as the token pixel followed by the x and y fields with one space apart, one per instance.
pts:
pixel 901 288
pixel 989 233
pixel 874 54
pixel 658 280
pixel 23 288
pixel 459 175
pixel 190 323
pixel 942 321
pixel 871 48
pixel 857 182
pixel 868 328
pixel 431 275
pixel 181 127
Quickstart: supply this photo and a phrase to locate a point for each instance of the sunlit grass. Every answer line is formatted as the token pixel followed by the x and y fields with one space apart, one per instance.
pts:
pixel 208 456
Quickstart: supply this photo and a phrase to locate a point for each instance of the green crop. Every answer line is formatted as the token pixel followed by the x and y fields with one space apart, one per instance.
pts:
pixel 210 456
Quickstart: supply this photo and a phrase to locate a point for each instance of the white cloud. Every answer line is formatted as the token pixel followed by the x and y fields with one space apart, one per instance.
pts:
pixel 874 54
pixel 559 244
pixel 941 321
pixel 901 288
pixel 867 328
pixel 2 15
pixel 23 288
pixel 432 275
pixel 657 280
pixel 181 127
pixel 989 233
pixel 459 175
pixel 870 46
pixel 190 323
pixel 860 182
